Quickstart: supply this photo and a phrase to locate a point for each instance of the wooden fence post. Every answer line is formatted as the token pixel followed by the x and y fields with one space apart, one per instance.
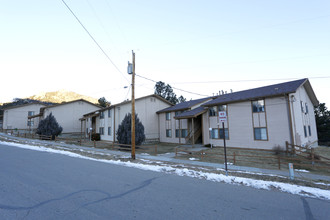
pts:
pixel 94 144
pixel 176 151
pixel 155 149
pixel 312 154
pixel 18 134
pixel 202 155
pixel 234 158
pixel 279 162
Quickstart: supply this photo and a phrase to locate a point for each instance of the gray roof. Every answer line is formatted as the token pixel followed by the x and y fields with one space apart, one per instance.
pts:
pixel 184 105
pixel 262 92
pixel 191 114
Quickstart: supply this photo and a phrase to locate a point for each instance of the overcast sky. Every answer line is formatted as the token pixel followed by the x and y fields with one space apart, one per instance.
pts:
pixel 198 46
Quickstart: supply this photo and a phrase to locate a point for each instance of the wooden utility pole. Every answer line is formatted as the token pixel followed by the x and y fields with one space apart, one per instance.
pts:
pixel 133 108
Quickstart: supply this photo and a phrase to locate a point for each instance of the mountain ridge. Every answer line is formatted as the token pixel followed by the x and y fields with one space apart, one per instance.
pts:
pixel 61 96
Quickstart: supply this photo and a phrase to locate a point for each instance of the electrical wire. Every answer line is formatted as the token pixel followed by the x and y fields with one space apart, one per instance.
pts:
pixel 248 80
pixel 172 86
pixel 90 35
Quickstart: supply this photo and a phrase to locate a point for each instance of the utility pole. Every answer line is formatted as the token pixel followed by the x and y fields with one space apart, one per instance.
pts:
pixel 133 108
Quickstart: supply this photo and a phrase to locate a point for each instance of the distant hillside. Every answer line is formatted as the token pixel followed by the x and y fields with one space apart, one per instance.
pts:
pixel 61 96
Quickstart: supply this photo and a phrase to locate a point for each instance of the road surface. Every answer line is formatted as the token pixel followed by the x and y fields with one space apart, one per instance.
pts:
pixel 41 185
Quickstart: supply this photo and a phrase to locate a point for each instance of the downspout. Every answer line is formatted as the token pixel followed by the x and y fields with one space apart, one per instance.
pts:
pixel 158 127
pixel 290 120
pixel 114 124
pixel 179 131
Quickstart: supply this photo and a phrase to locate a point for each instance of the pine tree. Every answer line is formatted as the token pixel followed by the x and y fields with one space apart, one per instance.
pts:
pixel 125 128
pixel 166 91
pixel 103 102
pixel 322 117
pixel 49 127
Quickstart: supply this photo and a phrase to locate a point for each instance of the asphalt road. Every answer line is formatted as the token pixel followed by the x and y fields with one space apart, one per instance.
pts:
pixel 40 185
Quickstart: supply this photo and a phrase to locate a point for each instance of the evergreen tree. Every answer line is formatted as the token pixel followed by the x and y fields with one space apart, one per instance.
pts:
pixel 181 99
pixel 166 91
pixel 125 128
pixel 49 127
pixel 103 102
pixel 322 117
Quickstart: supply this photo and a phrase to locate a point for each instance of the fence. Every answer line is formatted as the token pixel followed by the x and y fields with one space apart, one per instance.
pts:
pixel 81 141
pixel 306 159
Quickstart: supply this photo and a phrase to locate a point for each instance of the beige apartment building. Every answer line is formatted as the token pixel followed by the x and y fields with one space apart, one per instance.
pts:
pixel 106 121
pixel 68 114
pixel 260 118
pixel 16 117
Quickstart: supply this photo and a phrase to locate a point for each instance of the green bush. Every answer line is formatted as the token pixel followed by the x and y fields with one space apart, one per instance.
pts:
pixel 96 137
pixel 49 127
pixel 124 131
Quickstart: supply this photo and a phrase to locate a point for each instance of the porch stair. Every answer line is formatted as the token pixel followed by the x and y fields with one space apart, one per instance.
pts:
pixel 197 134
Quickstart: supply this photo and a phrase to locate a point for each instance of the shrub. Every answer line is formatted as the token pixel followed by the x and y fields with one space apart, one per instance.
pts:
pixel 277 149
pixel 96 137
pixel 125 128
pixel 49 127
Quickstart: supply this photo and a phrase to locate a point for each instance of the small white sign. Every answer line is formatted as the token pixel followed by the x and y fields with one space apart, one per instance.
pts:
pixel 223 116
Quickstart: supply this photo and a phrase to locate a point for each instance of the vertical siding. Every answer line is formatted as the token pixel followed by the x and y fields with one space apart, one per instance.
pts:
pixel 241 122
pixel 67 115
pixel 172 124
pixel 301 118
pixel 145 108
pixel 18 117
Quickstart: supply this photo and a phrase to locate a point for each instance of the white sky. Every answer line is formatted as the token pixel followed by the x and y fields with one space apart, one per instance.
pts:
pixel 43 47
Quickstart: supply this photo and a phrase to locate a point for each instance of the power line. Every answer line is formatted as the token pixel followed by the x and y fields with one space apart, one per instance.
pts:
pixel 90 35
pixel 172 86
pixel 248 80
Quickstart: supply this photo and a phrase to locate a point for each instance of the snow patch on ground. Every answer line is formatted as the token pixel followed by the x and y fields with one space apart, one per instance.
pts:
pixel 259 184
pixel 192 158
pixel 302 171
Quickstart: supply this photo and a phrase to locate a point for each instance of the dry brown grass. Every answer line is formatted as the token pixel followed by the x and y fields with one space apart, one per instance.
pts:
pixel 261 159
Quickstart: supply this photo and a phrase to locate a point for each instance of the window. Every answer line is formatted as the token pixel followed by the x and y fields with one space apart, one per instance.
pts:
pixel 302 106
pixel 306 108
pixel 184 133
pixel 109 113
pixel 177 133
pixel 109 131
pixel 168 116
pixel 215 133
pixel 87 130
pixel 258 106
pixel 305 131
pixel 30 123
pixel 30 113
pixel 260 134
pixel 101 115
pixel 168 133
pixel 101 130
pixel 309 130
pixel 226 133
pixel 213 111
pixel 177 113
pixel 222 108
